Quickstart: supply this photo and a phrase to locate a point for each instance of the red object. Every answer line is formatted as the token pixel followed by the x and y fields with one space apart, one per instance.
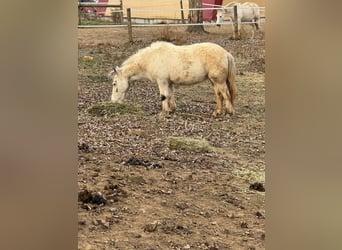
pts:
pixel 101 11
pixel 97 11
pixel 210 15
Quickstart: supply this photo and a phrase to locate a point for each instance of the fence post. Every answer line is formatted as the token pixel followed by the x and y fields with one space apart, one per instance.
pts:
pixel 114 17
pixel 121 13
pixel 79 15
pixel 129 20
pixel 236 23
pixel 182 11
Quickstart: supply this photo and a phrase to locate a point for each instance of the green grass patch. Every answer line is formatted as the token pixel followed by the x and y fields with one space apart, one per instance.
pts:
pixel 110 109
pixel 252 175
pixel 96 22
pixel 190 144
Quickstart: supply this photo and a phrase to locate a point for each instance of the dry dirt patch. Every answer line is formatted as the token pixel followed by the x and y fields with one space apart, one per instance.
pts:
pixel 157 197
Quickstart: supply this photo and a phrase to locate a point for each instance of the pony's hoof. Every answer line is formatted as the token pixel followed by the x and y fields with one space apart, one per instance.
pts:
pixel 230 113
pixel 217 113
pixel 164 114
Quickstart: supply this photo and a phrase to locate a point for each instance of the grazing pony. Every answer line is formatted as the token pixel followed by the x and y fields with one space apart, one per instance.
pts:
pixel 246 12
pixel 168 65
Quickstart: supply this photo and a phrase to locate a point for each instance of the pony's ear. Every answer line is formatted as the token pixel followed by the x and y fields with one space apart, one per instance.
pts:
pixel 117 69
pixel 111 74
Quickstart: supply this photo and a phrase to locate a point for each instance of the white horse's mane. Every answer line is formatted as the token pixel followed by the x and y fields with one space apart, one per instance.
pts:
pixel 161 43
pixel 142 51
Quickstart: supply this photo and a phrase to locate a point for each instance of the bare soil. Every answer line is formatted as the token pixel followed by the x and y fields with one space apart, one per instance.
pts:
pixel 137 193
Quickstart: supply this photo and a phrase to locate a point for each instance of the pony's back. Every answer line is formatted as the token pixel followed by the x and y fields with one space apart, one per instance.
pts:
pixel 161 44
pixel 145 53
pixel 254 7
pixel 231 4
pixel 165 56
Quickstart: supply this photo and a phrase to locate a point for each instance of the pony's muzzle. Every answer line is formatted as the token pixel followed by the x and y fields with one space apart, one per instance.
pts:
pixel 117 100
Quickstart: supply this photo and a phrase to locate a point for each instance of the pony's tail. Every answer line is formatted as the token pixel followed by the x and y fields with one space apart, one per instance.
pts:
pixel 231 79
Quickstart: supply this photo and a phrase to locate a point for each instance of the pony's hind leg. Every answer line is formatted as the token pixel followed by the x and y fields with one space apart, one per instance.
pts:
pixel 219 101
pixel 224 92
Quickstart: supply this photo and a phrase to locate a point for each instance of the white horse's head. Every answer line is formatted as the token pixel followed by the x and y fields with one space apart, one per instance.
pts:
pixel 219 17
pixel 120 85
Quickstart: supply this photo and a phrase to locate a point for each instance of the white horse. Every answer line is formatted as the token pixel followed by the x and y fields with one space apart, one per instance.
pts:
pixel 168 65
pixel 246 12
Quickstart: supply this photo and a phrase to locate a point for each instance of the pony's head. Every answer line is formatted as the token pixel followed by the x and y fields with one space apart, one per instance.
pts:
pixel 120 85
pixel 219 17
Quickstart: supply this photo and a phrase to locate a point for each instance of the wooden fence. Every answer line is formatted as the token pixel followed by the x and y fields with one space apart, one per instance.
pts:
pixel 116 15
pixel 129 24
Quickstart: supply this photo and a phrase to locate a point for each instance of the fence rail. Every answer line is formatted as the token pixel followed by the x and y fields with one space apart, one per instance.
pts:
pixel 119 5
pixel 111 5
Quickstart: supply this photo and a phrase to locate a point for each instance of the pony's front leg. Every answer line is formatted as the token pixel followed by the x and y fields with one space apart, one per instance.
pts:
pixel 165 104
pixel 257 23
pixel 165 95
pixel 172 102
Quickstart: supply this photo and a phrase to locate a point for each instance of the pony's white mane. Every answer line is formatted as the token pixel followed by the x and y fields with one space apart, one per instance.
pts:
pixel 142 52
pixel 158 44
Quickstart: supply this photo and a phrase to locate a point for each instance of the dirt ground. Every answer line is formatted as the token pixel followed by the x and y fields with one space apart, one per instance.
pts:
pixel 137 193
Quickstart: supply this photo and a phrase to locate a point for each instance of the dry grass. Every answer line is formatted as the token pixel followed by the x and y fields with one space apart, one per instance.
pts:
pixel 190 144
pixel 110 109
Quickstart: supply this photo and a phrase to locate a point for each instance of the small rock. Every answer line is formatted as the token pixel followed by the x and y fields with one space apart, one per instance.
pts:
pixel 82 222
pixel 95 222
pixel 133 161
pixel 205 214
pixel 106 225
pixel 260 215
pixel 258 186
pixel 142 211
pixel 85 196
pixel 244 224
pixel 113 209
pixel 99 199
pixel 156 165
pixel 150 227
pixel 84 147
pixel 88 58
pixel 86 207
pixel 136 235
pixel 182 205
pixel 263 236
